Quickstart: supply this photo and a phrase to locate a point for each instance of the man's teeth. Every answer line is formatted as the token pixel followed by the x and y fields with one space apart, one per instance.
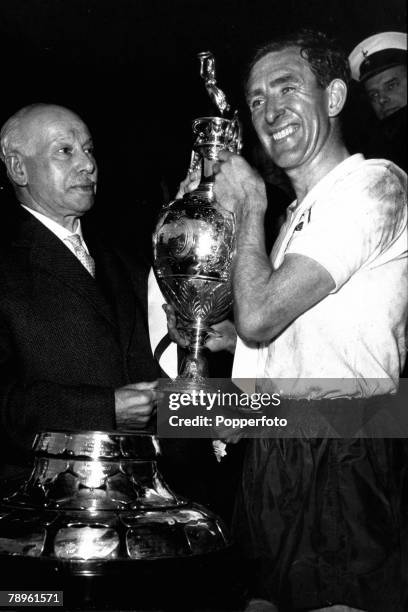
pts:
pixel 284 133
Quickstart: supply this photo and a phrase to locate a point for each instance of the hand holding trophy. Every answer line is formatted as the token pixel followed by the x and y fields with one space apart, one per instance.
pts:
pixel 194 241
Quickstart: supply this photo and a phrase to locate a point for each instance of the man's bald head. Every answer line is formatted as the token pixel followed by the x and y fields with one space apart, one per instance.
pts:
pixel 18 134
pixel 48 152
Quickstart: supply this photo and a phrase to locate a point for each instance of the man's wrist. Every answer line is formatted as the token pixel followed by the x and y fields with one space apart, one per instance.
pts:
pixel 250 225
pixel 254 205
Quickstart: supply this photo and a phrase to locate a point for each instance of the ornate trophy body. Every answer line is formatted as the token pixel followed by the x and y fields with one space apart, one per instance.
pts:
pixel 194 241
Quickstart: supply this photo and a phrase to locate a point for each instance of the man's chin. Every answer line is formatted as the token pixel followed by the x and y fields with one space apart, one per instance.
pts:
pixel 84 203
pixel 389 113
pixel 286 160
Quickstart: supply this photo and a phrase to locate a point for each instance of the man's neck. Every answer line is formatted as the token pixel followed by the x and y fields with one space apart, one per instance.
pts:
pixel 54 224
pixel 305 178
pixel 69 222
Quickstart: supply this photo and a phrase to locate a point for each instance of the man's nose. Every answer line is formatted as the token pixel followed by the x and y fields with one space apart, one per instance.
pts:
pixel 86 162
pixel 273 109
pixel 383 98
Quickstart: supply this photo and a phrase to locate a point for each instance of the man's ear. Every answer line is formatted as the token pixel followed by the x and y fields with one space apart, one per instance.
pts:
pixel 16 169
pixel 337 94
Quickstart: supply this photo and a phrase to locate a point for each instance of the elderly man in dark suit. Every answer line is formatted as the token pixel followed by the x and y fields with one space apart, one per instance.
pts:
pixel 74 349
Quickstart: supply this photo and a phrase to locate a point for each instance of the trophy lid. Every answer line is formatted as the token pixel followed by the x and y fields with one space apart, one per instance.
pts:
pixel 217 131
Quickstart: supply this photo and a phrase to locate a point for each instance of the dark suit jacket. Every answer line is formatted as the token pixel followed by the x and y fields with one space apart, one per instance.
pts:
pixel 66 340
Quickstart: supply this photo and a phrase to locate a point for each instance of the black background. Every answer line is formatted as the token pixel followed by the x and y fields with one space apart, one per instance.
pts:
pixel 129 69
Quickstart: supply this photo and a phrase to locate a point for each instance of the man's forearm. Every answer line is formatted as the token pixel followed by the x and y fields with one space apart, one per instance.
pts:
pixel 267 300
pixel 251 274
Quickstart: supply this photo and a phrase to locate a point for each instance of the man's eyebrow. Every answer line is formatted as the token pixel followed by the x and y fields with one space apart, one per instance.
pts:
pixel 68 139
pixel 281 80
pixel 286 78
pixel 391 80
pixel 387 82
pixel 253 92
pixel 58 136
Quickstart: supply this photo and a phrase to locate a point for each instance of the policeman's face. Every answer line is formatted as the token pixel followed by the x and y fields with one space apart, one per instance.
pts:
pixel 60 167
pixel 387 91
pixel 289 110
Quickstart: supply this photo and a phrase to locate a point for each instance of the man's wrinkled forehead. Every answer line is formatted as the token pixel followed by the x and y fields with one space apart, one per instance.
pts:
pixel 278 65
pixel 43 125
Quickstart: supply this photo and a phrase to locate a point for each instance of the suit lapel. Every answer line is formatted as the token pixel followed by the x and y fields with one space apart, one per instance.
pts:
pixel 50 256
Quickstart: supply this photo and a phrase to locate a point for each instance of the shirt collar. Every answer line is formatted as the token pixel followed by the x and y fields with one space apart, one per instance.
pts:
pixel 61 232
pixel 347 165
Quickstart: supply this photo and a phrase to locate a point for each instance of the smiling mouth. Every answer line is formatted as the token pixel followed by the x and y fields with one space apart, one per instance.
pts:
pixel 284 132
pixel 86 187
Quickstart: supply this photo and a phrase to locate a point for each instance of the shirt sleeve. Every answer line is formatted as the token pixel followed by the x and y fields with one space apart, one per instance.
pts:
pixel 359 221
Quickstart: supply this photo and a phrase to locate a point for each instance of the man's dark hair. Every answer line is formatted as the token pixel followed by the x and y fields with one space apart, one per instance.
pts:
pixel 325 55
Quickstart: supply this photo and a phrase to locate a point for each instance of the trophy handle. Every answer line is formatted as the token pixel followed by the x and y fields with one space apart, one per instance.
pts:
pixel 195 162
pixel 233 134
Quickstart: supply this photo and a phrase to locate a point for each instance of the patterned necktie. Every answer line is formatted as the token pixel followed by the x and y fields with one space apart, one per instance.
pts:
pixel 84 257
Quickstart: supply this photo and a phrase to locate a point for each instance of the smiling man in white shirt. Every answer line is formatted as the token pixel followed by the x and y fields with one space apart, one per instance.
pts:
pixel 328 313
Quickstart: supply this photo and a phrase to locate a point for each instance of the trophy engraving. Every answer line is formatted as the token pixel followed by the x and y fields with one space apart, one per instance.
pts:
pixel 194 241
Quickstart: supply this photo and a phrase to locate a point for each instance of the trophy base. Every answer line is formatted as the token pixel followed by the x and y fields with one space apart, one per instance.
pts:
pixel 96 504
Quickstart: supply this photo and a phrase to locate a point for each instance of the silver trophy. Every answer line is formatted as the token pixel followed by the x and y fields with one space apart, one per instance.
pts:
pixel 96 504
pixel 194 241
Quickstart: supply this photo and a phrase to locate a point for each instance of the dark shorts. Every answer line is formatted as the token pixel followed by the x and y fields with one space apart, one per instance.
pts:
pixel 324 522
